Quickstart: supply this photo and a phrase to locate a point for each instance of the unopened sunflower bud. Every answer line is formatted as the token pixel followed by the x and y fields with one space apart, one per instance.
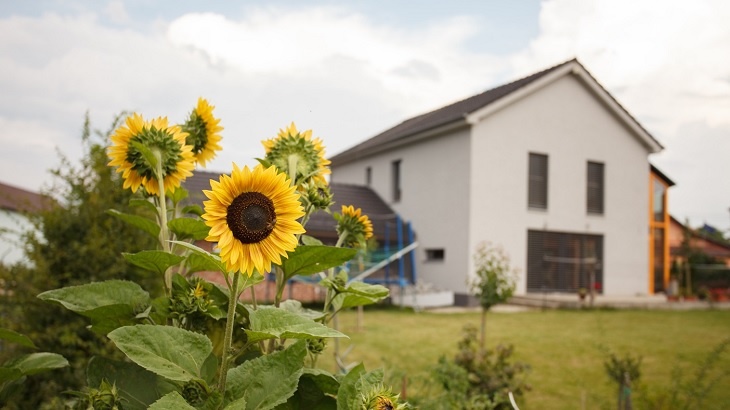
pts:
pixel 196 392
pixel 319 195
pixel 316 346
pixel 381 398
pixel 106 397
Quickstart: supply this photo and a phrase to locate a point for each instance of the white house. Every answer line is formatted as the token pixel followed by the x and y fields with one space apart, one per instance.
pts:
pixel 550 167
pixel 15 204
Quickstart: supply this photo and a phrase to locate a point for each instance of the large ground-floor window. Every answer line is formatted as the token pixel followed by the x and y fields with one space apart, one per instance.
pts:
pixel 563 262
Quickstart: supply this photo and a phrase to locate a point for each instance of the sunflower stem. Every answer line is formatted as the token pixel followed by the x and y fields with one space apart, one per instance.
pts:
pixel 293 159
pixel 280 284
pixel 331 274
pixel 307 213
pixel 228 336
pixel 253 298
pixel 341 239
pixel 164 234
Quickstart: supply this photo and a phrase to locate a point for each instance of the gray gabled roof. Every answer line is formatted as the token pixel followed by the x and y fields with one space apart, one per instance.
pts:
pixel 322 225
pixel 456 113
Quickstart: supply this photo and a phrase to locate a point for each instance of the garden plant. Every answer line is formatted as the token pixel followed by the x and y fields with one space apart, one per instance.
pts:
pixel 193 344
pixel 494 282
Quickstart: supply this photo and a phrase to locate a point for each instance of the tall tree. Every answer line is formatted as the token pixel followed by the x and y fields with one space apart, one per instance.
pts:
pixel 76 241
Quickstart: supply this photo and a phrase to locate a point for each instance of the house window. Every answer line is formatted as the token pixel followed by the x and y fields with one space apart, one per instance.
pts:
pixel 368 176
pixel 433 255
pixel 594 188
pixel 564 262
pixel 537 192
pixel 395 170
pixel 658 201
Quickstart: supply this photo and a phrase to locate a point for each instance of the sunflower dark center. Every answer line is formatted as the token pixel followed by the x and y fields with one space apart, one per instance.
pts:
pixel 251 217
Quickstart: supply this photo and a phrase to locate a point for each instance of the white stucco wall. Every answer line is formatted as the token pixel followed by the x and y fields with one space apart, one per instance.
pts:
pixel 12 227
pixel 569 124
pixel 435 198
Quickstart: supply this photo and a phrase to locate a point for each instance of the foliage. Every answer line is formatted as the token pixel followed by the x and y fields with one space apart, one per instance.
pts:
pixel 494 282
pixel 560 346
pixel 76 242
pixel 14 371
pixel 684 393
pixel 481 379
pixel 183 342
pixel 624 371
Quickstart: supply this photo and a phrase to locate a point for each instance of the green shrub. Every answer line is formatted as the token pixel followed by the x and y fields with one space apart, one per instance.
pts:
pixel 480 379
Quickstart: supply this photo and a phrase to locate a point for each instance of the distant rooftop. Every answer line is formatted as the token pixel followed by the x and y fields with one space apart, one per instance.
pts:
pixel 321 224
pixel 20 200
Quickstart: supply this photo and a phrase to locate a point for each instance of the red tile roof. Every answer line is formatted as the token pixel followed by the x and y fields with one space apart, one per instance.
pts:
pixel 20 200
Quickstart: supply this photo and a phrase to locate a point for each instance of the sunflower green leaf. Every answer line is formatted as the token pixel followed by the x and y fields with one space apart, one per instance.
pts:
pixel 271 323
pixel 307 260
pixel 170 352
pixel 189 228
pixel 138 387
pixel 15 337
pixel 137 221
pixel 267 381
pixel 155 261
pixel 171 401
pixel 209 262
pixel 109 305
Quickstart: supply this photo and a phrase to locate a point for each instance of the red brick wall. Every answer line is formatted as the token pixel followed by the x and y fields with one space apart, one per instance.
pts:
pixel 266 291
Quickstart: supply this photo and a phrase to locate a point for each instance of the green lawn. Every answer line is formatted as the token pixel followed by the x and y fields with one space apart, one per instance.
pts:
pixel 562 347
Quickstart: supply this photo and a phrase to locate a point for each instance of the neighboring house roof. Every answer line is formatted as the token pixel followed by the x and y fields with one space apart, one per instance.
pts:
pixel 20 200
pixel 711 246
pixel 661 175
pixel 321 224
pixel 475 108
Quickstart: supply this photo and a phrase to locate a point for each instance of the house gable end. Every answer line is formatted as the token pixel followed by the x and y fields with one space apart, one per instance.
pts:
pixel 439 121
pixel 574 68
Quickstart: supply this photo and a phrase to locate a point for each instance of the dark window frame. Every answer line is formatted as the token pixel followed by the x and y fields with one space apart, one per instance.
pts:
pixel 395 168
pixel 368 176
pixel 537 181
pixel 435 254
pixel 595 188
pixel 563 261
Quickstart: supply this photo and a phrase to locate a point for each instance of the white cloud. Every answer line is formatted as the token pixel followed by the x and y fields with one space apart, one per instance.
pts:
pixel 665 60
pixel 348 77
pixel 335 72
pixel 117 12
pixel 668 63
pixel 423 67
pixel 29 148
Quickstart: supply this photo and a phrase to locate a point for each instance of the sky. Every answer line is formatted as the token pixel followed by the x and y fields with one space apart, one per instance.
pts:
pixel 351 69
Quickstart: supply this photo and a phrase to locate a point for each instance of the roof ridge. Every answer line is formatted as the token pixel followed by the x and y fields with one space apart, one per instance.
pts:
pixel 447 114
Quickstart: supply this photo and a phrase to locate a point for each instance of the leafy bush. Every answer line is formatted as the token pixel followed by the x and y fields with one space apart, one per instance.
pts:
pixel 685 393
pixel 478 378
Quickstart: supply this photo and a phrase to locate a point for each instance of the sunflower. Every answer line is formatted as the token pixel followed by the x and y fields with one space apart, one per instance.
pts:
pixel 203 132
pixel 252 214
pixel 131 142
pixel 356 226
pixel 381 398
pixel 290 148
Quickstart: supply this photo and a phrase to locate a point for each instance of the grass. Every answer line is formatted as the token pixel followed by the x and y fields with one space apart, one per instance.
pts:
pixel 563 348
